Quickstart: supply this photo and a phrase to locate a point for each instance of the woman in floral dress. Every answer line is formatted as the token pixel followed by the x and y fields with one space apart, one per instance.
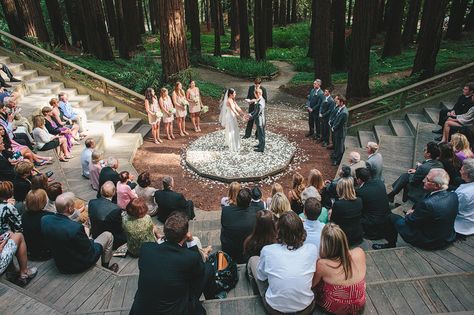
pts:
pixel 194 98
pixel 180 103
pixel 154 113
pixel 168 110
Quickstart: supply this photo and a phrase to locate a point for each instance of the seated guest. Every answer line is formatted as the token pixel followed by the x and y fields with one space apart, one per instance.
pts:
pixel 411 182
pixel 95 167
pixel 6 120
pixel 172 274
pixel 430 224
pixel 374 161
pixel 464 222
pixel 55 128
pixel 39 181
pixel 347 211
pixel 38 248
pixel 145 191
pixel 10 219
pixel 312 226
pixel 288 266
pixel 329 193
pixel 138 226
pixel 63 121
pixel 6 168
pixel 15 244
pixel 355 162
pixel 22 183
pixel 237 223
pixel 73 114
pixel 457 120
pixel 450 164
pixel 72 250
pixel 339 280
pixel 461 147
pixel 294 195
pixel 109 173
pixel 280 204
pixel 107 216
pixel 264 233
pixel 256 201
pixel 313 186
pixel 169 201
pixel 275 189
pixel 46 141
pixel 124 191
pixel 53 191
pixel 375 206
pixel 9 74
pixel 462 105
pixel 231 198
pixel 86 156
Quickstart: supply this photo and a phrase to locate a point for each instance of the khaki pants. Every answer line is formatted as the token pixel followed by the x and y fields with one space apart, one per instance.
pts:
pixel 106 239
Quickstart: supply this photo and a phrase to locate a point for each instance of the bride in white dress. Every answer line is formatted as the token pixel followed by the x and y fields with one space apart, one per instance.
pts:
pixel 228 119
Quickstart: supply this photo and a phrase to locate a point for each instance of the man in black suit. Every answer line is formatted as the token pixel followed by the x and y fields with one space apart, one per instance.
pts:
pixel 411 182
pixel 430 224
pixel 109 173
pixel 376 208
pixel 169 201
pixel 237 223
pixel 339 129
pixel 107 216
pixel 256 201
pixel 172 274
pixel 315 98
pixel 326 108
pixel 6 169
pixel 462 105
pixel 250 96
pixel 72 250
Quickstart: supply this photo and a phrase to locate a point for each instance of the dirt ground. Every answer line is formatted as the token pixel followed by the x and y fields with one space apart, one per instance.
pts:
pixel 166 158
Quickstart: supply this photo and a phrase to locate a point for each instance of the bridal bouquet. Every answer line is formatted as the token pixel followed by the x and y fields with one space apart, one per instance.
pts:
pixel 158 114
pixel 172 111
pixel 205 109
pixel 184 103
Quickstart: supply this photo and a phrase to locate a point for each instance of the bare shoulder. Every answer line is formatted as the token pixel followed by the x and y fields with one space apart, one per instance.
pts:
pixel 358 254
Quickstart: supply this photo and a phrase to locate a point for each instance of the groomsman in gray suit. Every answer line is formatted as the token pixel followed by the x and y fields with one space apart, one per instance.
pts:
pixel 339 129
pixel 258 115
pixel 251 95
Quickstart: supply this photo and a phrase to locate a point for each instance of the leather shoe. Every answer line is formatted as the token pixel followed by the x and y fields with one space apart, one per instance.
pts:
pixel 114 267
pixel 258 150
pixel 438 138
pixel 439 131
pixel 391 198
pixel 15 80
pixel 330 147
pixel 382 246
pixel 6 85
pixel 309 134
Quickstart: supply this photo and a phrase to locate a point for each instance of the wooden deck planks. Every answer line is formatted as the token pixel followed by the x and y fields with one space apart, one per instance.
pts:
pixel 383 266
pixel 462 293
pixel 430 297
pixel 396 298
pixel 396 265
pixel 372 273
pixel 380 300
pixel 86 292
pixel 98 295
pixel 415 265
pixel 412 298
pixel 118 292
pixel 130 290
pixel 435 260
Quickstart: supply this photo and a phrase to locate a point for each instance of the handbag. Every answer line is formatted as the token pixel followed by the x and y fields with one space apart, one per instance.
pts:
pixel 225 276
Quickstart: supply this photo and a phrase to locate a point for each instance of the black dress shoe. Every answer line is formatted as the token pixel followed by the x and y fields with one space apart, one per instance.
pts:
pixel 255 146
pixel 14 80
pixel 438 138
pixel 6 85
pixel 391 198
pixel 258 150
pixel 439 131
pixel 382 246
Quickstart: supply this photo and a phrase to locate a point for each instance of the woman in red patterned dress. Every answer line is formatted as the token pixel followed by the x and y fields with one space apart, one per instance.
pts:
pixel 339 281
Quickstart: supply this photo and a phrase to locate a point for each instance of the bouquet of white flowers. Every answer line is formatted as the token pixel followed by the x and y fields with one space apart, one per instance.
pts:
pixel 172 111
pixel 184 103
pixel 196 99
pixel 158 114
pixel 205 109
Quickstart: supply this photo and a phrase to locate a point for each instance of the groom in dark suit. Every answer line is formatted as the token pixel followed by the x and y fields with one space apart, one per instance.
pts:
pixel 251 96
pixel 258 115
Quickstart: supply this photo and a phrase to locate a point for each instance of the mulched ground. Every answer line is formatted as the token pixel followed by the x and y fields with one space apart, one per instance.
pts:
pixel 166 158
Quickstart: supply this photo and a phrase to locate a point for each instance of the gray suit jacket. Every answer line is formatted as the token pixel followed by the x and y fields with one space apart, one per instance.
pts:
pixel 259 112
pixel 375 166
pixel 415 187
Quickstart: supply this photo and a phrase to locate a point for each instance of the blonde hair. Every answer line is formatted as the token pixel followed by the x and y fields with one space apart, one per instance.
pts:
pixel 315 178
pixel 178 91
pixel 24 168
pixel 38 121
pixel 36 200
pixel 373 146
pixel 461 144
pixel 276 188
pixel 280 204
pixel 96 156
pixel 345 188
pixel 334 246
pixel 234 189
pixel 162 91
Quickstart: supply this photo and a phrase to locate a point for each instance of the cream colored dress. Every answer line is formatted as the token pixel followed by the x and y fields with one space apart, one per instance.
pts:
pixel 168 105
pixel 195 103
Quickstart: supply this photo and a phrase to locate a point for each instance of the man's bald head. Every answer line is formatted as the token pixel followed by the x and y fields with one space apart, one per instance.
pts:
pixel 108 189
pixel 65 203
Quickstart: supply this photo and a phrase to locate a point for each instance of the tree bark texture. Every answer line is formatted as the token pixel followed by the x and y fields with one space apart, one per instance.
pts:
pixel 244 30
pixel 187 19
pixel 216 25
pixel 221 18
pixel 75 22
pixel 456 19
pixel 358 74
pixel 276 12
pixel 174 52
pixel 339 34
pixel 141 17
pixel 29 11
pixel 294 12
pixel 57 23
pixel 15 25
pixel 110 17
pixel 411 22
pixel 154 16
pixel 382 7
pixel 234 25
pixel 312 31
pixel 322 42
pixel 259 30
pixel 128 27
pixel 267 5
pixel 195 27
pixel 393 36
pixel 282 18
pixel 430 38
pixel 349 13
pixel 469 23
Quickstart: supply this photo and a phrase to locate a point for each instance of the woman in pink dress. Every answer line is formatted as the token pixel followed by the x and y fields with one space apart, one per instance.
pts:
pixel 154 114
pixel 339 280
pixel 125 194
pixel 194 98
pixel 180 103
pixel 168 112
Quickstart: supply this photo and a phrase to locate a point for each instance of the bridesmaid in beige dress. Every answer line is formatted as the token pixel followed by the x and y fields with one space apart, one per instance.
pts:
pixel 180 103
pixel 168 112
pixel 194 98
pixel 154 113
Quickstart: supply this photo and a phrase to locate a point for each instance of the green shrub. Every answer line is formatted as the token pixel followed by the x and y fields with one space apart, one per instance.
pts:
pixel 287 54
pixel 249 68
pixel 294 35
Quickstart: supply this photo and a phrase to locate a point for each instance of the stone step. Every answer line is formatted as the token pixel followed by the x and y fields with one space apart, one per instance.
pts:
pixel 382 130
pixel 91 107
pixel 144 129
pixel 448 104
pixel 205 225
pixel 423 136
pixel 23 75
pixel 366 136
pixel 70 92
pixel 37 82
pixel 352 142
pixel 397 152
pixel 400 127
pixel 119 119
pixel 81 98
pixel 5 59
pixel 105 113
pixel 15 67
pixel 413 120
pixel 129 126
pixel 431 114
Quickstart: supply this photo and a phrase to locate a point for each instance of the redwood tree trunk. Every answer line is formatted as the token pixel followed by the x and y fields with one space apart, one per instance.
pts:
pixel 141 17
pixel 393 37
pixel 31 15
pixel 469 26
pixel 456 19
pixel 276 12
pixel 294 12
pixel 260 25
pixel 267 4
pixel 312 30
pixel 339 34
pixel 154 15
pixel 358 74
pixel 216 25
pixel 244 30
pixel 15 25
pixel 411 22
pixel 75 22
pixel 128 27
pixel 381 9
pixel 288 11
pixel 57 24
pixel 220 12
pixel 282 12
pixel 322 47
pixel 430 38
pixel 349 13
pixel 111 18
pixel 174 52
pixel 234 25
pixel 195 27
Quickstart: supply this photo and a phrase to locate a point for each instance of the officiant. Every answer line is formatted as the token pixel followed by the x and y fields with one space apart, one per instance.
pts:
pixel 251 96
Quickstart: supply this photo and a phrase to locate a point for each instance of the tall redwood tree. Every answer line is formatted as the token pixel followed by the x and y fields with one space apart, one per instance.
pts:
pixel 282 18
pixel 57 23
pixel 216 24
pixel 312 30
pixel 154 16
pixel 469 25
pixel 30 13
pixel 244 30
pixel 456 19
pixel 339 34
pixel 322 46
pixel 294 12
pixel 267 5
pixel 234 25
pixel 411 22
pixel 75 22
pixel 15 25
pixel 259 27
pixel 393 36
pixel 128 23
pixel 195 27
